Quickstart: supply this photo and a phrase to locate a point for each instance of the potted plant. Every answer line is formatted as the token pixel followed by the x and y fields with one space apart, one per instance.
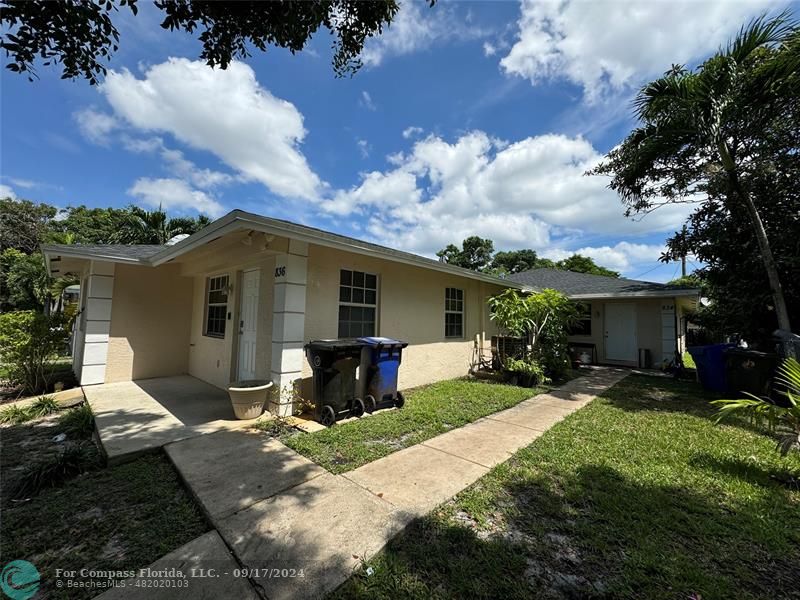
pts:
pixel 248 397
pixel 526 372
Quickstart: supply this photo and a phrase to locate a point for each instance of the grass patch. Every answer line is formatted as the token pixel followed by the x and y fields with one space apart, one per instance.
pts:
pixel 119 518
pixel 15 415
pixel 638 495
pixel 66 463
pixel 78 421
pixel 688 361
pixel 428 411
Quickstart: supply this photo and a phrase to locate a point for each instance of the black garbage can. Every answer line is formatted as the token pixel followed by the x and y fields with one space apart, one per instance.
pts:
pixel 336 390
pixel 749 371
pixel 380 364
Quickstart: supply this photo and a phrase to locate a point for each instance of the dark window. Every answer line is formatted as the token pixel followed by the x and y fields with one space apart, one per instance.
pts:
pixel 216 306
pixel 583 326
pixel 358 300
pixel 453 313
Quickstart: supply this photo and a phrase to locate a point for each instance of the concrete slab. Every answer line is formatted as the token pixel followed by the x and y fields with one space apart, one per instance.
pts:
pixel 204 553
pixel 418 478
pixel 231 470
pixel 534 415
pixel 134 417
pixel 485 442
pixel 317 531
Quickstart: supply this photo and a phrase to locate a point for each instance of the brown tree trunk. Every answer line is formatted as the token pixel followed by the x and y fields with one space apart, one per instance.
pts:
pixel 781 311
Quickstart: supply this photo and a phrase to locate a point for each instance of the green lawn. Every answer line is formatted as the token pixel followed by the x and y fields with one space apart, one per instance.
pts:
pixel 116 518
pixel 688 361
pixel 429 411
pixel 638 495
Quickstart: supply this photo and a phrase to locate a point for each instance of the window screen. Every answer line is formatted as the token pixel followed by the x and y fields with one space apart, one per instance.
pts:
pixel 216 306
pixel 453 313
pixel 358 302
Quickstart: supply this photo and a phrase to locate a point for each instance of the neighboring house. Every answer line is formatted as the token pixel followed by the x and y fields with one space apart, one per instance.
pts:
pixel 623 319
pixel 238 300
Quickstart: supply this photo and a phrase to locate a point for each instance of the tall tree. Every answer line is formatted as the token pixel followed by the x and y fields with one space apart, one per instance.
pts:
pixel 516 261
pixel 578 263
pixel 89 225
pixel 475 254
pixel 81 36
pixel 24 224
pixel 155 227
pixel 718 120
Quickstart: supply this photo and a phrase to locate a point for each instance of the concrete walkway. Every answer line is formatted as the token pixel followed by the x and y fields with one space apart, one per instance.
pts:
pixel 277 510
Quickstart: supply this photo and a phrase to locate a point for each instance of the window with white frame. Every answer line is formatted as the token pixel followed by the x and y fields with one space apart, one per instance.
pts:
pixel 358 303
pixel 453 313
pixel 216 306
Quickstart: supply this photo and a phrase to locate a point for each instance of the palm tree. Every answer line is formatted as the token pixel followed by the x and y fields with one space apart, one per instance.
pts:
pixel 154 227
pixel 714 121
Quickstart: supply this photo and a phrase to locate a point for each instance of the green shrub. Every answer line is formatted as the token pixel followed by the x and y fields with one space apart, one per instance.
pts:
pixel 43 406
pixel 72 460
pixel 29 344
pixel 531 372
pixel 78 421
pixel 15 414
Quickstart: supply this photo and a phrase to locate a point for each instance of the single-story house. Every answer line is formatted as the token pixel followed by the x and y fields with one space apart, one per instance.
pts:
pixel 239 299
pixel 624 321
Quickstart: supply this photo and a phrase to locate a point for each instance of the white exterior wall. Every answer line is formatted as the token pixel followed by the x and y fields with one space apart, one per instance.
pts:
pixel 96 322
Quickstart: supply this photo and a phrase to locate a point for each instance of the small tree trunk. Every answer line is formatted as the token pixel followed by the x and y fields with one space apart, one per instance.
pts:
pixel 781 311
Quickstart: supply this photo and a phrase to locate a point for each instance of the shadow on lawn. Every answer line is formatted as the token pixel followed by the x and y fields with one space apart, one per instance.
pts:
pixel 747 470
pixel 593 534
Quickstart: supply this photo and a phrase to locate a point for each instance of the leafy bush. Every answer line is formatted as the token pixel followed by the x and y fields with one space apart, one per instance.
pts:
pixel 43 406
pixel 531 372
pixel 79 420
pixel 544 318
pixel 783 420
pixel 15 415
pixel 72 460
pixel 29 343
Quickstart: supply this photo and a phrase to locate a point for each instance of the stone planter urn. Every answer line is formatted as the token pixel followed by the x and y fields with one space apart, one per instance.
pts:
pixel 249 397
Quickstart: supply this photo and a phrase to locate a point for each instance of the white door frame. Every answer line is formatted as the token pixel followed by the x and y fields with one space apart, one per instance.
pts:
pixel 635 332
pixel 248 325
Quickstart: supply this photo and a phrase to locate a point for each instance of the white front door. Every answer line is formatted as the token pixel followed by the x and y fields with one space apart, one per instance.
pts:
pixel 620 331
pixel 248 325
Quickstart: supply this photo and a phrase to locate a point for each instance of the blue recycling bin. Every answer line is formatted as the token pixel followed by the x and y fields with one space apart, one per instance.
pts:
pixel 710 362
pixel 380 364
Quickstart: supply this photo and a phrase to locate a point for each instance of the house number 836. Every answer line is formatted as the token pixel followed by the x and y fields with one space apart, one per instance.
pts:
pixel 280 272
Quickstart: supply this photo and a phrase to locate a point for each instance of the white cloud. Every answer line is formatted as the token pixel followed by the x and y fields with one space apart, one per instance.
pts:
pixel 412 131
pixel 225 112
pixel 624 256
pixel 364 148
pixel 6 191
pixel 529 194
pixel 174 195
pixel 489 49
pixel 608 46
pixel 366 101
pixel 418 27
pixel 95 126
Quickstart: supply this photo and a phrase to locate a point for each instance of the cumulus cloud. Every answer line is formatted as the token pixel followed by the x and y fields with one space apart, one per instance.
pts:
pixel 96 126
pixel 6 191
pixel 418 27
pixel 528 194
pixel 608 46
pixel 174 195
pixel 225 112
pixel 410 132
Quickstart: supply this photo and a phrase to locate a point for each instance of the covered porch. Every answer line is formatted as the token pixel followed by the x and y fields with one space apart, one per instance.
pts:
pixel 133 417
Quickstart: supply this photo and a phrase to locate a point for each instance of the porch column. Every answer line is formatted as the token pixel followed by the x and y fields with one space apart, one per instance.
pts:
pixel 288 326
pixel 96 318
pixel 669 334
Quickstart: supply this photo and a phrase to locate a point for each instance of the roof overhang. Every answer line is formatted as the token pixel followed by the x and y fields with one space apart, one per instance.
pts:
pixel 647 294
pixel 238 220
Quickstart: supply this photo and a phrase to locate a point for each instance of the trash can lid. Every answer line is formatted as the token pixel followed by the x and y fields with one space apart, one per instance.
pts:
pixel 334 344
pixel 382 341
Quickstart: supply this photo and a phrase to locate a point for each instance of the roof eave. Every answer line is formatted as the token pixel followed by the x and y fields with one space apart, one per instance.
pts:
pixel 647 294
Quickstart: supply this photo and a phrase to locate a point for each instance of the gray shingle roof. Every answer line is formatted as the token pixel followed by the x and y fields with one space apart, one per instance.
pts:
pixel 583 284
pixel 114 251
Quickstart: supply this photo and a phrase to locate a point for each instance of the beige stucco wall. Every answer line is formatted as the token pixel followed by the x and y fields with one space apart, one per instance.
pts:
pixel 410 308
pixel 648 327
pixel 150 318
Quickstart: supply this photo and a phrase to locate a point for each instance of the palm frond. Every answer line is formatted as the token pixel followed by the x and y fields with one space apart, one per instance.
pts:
pixel 761 31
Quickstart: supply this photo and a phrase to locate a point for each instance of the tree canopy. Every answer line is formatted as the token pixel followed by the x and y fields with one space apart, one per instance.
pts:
pixel 712 136
pixel 476 254
pixel 81 37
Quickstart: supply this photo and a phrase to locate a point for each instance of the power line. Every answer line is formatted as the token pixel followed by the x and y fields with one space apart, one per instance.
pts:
pixel 648 271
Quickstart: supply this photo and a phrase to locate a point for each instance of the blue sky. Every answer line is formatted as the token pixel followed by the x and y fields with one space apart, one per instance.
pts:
pixel 468 118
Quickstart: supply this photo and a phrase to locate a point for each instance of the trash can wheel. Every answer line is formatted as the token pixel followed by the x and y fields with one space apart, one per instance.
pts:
pixel 369 404
pixel 328 416
pixel 400 400
pixel 358 407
